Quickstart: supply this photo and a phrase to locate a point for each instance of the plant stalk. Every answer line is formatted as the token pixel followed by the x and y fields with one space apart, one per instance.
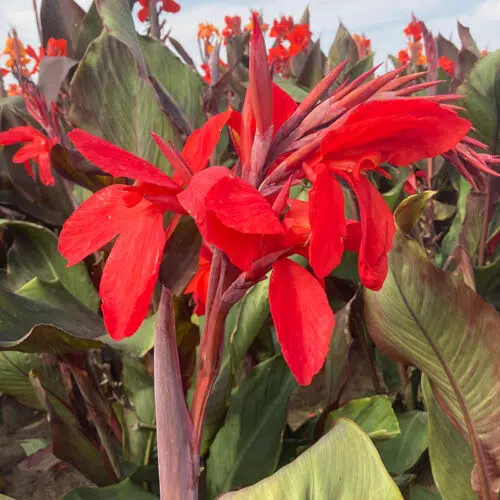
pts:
pixel 177 462
pixel 154 25
pixel 211 344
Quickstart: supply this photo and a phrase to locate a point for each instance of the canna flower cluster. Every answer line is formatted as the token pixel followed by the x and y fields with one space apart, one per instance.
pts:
pixel 245 214
pixel 20 57
pixel 291 39
pixel 415 51
pixel 447 65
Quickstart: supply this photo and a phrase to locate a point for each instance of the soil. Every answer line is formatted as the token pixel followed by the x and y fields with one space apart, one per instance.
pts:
pixel 18 422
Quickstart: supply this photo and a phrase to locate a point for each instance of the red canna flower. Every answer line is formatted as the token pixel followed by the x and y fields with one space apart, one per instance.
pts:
pixel 170 6
pixel 375 132
pixel 198 286
pixel 233 26
pixel 281 28
pixel 447 65
pixel 36 148
pixel 280 57
pixel 134 213
pixel 403 56
pixel 414 30
pixel 36 57
pixel 57 47
pixel 299 38
pixel 166 5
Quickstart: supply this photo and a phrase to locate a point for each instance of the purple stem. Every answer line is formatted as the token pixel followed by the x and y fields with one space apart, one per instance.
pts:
pixel 177 462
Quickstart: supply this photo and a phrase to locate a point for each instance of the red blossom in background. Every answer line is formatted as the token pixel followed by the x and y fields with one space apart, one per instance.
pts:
pixel 169 6
pixel 233 26
pixel 411 184
pixel 403 56
pixel 55 47
pixel 414 31
pixel 363 44
pixel 447 65
pixel 281 28
pixel 36 148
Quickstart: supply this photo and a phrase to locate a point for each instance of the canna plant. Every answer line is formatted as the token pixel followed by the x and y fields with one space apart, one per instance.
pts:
pixel 274 225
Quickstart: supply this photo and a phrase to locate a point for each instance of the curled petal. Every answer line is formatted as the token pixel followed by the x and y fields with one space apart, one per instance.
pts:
pixel 326 213
pixel 377 232
pixel 20 134
pixel 303 318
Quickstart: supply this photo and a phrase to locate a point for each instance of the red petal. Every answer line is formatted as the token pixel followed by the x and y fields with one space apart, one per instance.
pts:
pixel 377 232
pixel 201 143
pixel 117 161
pixel 326 213
pixel 28 152
pixel 177 162
pixel 402 130
pixel 45 169
pixel 19 134
pixel 303 318
pixel 131 272
pixel 193 197
pixel 242 249
pixel 97 221
pixel 240 206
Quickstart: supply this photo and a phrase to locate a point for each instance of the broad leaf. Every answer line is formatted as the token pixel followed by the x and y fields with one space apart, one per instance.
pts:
pixel 374 415
pixel 451 456
pixel 123 108
pixel 34 254
pixel 343 47
pixel 482 100
pixel 90 29
pixel 53 72
pixel 248 446
pixel 32 326
pixel 313 70
pixel 402 452
pixel 342 465
pixel 431 319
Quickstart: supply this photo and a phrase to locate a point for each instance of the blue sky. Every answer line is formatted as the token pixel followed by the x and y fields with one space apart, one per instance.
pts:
pixel 380 20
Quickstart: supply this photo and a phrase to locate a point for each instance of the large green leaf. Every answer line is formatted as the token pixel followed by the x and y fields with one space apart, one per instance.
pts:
pixel 243 324
pixel 126 490
pixel 482 100
pixel 402 452
pixel 123 108
pixel 248 446
pixel 34 254
pixel 34 326
pixel 431 319
pixel 342 465
pixel 374 415
pixel 451 456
